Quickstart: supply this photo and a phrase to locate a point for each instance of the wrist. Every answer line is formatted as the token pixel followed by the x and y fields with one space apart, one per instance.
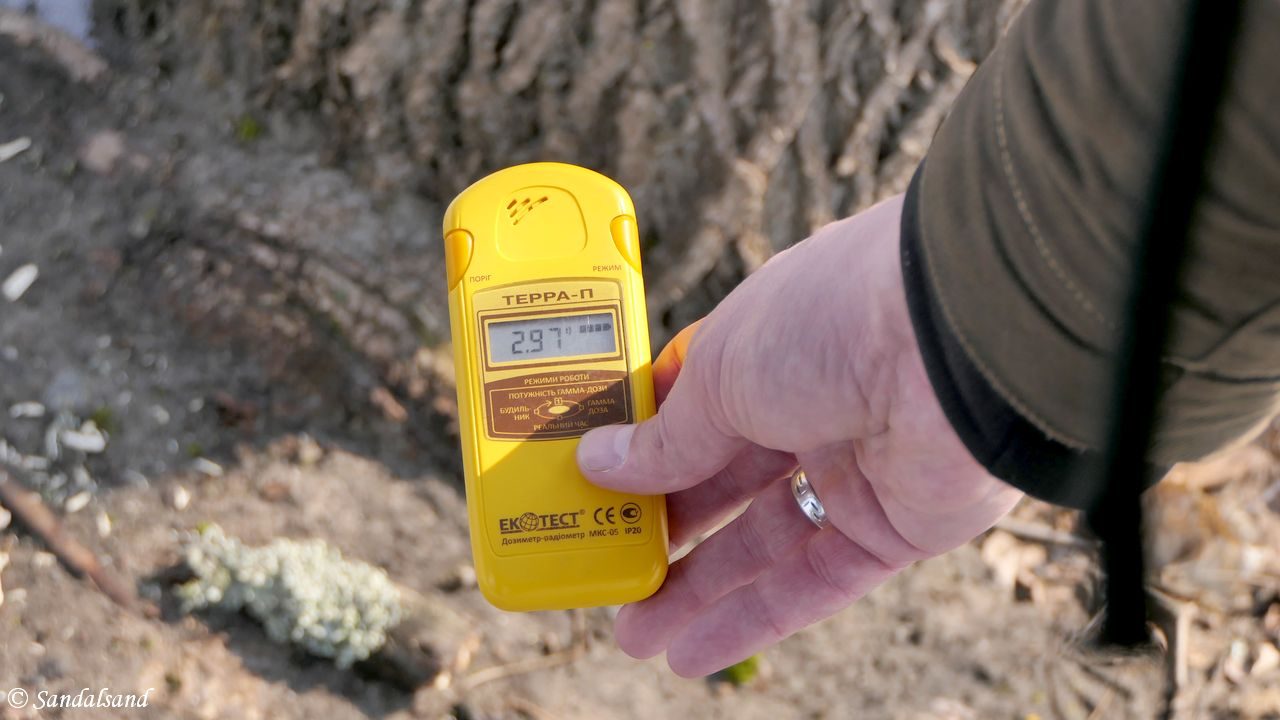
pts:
pixel 886 368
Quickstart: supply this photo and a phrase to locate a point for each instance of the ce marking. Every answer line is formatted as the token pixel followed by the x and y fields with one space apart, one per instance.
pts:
pixel 607 513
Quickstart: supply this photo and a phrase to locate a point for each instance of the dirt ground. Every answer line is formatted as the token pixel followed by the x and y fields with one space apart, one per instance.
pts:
pixel 116 201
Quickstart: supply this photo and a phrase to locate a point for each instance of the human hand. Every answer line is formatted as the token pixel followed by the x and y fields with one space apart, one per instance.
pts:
pixel 811 360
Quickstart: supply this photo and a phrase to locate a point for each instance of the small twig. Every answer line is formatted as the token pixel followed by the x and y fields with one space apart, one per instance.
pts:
pixel 569 655
pixel 529 708
pixel 1103 705
pixel 520 667
pixel 1182 647
pixel 31 511
pixel 1202 604
pixel 1037 532
pixel 1175 614
pixel 4 562
pixel 80 62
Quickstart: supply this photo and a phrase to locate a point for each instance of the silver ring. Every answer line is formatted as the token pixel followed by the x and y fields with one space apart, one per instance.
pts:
pixel 807 499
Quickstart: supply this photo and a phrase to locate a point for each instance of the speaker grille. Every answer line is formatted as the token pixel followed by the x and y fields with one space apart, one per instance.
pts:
pixel 518 209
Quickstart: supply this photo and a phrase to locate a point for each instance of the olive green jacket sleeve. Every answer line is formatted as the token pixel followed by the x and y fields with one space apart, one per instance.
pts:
pixel 1026 211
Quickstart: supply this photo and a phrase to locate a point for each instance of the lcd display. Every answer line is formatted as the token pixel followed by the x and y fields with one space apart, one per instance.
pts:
pixel 554 337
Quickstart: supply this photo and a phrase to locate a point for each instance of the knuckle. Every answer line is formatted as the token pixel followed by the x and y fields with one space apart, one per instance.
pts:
pixel 674 456
pixel 752 541
pixel 820 566
pixel 728 490
pixel 663 447
pixel 693 584
pixel 759 608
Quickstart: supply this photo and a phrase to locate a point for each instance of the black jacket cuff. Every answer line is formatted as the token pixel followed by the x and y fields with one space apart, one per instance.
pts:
pixel 1000 439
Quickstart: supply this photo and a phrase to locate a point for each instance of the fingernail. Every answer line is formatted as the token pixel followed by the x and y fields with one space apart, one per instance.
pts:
pixel 605 449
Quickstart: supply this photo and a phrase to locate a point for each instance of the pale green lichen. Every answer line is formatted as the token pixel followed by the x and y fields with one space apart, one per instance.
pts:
pixel 303 592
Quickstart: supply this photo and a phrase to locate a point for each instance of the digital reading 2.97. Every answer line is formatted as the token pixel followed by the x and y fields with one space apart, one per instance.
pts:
pixel 554 337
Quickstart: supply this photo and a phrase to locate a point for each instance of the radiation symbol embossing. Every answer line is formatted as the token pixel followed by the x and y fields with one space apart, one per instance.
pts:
pixel 557 409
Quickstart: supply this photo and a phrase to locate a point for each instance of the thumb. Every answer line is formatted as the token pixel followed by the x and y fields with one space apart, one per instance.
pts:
pixel 687 442
pixel 666 368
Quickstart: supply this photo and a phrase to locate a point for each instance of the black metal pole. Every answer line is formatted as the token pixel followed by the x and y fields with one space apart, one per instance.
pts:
pixel 1178 179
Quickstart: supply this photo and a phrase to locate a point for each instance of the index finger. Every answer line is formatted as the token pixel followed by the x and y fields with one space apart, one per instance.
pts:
pixel 817 579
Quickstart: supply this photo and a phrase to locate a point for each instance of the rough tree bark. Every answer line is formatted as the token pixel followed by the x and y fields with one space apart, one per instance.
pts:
pixel 738 127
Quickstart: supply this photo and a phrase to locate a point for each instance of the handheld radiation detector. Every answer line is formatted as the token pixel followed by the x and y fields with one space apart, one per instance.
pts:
pixel 550 339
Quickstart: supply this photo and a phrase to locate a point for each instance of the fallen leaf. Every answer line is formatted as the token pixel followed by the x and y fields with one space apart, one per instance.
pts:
pixel 1009 558
pixel 1267 660
pixel 387 403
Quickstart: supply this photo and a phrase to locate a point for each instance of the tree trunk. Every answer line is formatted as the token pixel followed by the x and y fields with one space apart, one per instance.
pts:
pixel 738 128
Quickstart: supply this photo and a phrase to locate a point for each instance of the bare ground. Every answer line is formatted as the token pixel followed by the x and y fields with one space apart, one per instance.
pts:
pixel 141 196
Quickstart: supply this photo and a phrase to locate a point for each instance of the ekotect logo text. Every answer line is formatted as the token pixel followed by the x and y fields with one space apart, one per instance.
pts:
pixel 533 522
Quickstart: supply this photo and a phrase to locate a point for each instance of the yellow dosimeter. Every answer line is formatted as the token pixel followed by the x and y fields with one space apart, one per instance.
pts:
pixel 550 339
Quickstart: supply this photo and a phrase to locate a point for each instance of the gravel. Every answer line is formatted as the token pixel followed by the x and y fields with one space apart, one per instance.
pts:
pixel 14 148
pixel 22 410
pixel 20 280
pixel 205 466
pixel 88 439
pixel 77 502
